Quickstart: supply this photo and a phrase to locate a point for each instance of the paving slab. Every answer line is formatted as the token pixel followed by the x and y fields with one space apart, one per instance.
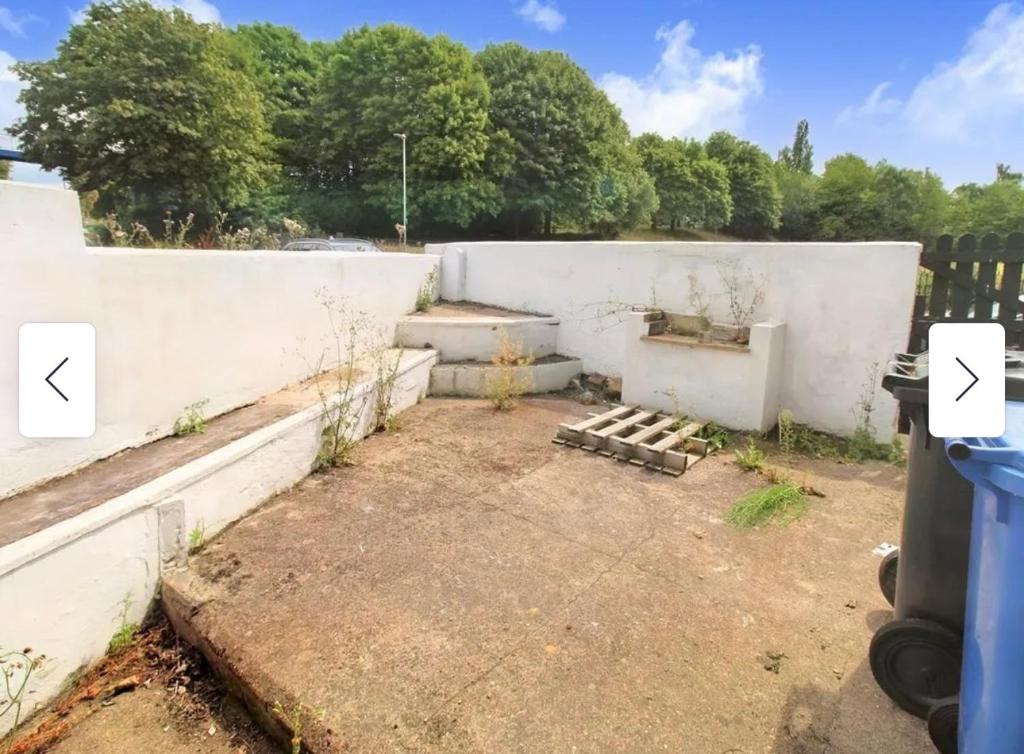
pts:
pixel 469 586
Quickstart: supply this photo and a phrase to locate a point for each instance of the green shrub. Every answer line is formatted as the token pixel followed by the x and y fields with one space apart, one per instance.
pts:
pixel 751 458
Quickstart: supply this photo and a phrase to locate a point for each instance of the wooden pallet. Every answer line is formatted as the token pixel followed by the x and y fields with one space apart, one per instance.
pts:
pixel 642 438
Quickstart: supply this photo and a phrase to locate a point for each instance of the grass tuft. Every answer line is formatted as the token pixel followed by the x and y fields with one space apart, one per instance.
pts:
pixel 781 503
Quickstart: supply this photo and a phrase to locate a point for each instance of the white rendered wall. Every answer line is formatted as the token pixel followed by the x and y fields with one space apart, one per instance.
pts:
pixel 172 327
pixel 846 306
pixel 64 586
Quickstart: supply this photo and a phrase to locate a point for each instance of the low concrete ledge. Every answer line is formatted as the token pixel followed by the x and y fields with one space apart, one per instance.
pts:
pixel 477 338
pixel 470 380
pixel 69 581
pixel 735 385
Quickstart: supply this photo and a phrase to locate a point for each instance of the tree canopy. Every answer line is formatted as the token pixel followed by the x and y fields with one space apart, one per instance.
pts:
pixel 392 79
pixel 559 146
pixel 693 189
pixel 756 201
pixel 148 107
pixel 155 112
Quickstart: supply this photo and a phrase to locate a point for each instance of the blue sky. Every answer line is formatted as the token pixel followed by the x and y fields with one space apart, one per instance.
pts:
pixel 922 83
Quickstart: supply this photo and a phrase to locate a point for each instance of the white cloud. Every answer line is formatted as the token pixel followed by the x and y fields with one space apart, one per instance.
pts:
pixel 876 104
pixel 13 24
pixel 689 93
pixel 544 15
pixel 977 98
pixel 982 91
pixel 200 10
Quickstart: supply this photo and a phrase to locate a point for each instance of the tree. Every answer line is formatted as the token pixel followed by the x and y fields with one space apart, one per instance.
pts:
pixel 756 201
pixel 286 70
pixel 995 208
pixel 800 156
pixel 1005 173
pixel 393 79
pixel 559 147
pixel 693 189
pixel 5 170
pixel 911 203
pixel 150 108
pixel 798 218
pixel 847 204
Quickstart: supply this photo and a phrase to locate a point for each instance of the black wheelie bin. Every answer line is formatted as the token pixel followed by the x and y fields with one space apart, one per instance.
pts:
pixel 916 657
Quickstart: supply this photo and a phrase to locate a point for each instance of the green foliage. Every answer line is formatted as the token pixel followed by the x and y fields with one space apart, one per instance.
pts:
pixel 393 79
pixel 125 634
pixel 995 208
pixel 781 503
pixel 800 156
pixel 193 421
pixel 693 189
pixel 857 201
pixel 197 537
pixel 717 437
pixel 559 148
pixel 750 458
pixel 285 70
pixel 149 107
pixel 5 170
pixel 756 201
pixel 427 292
pixel 798 220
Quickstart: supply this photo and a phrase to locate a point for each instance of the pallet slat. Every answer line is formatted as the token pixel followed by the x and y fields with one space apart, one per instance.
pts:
pixel 639 437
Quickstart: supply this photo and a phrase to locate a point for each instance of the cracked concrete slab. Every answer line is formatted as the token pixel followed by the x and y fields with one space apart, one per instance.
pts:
pixel 470 587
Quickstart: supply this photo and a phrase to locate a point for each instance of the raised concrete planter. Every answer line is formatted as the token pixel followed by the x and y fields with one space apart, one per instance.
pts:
pixel 737 386
pixel 476 338
pixel 470 380
pixel 64 586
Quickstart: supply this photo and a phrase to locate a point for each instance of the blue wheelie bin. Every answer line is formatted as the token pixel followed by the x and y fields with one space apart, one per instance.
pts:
pixel 988 713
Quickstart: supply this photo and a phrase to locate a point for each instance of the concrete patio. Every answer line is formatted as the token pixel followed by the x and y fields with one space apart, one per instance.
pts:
pixel 469 586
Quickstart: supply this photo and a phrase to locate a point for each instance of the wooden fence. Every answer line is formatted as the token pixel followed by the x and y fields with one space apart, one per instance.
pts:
pixel 964 280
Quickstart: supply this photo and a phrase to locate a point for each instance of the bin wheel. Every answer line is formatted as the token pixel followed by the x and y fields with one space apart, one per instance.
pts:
pixel 887 576
pixel 917 663
pixel 942 725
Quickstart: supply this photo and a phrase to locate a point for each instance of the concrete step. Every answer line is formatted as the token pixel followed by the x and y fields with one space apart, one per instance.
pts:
pixel 469 379
pixel 473 332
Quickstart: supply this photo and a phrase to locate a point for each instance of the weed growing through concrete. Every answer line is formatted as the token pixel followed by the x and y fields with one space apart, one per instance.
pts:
pixel 717 437
pixel 341 406
pixel 751 458
pixel 16 668
pixel 294 720
pixel 863 444
pixel 506 384
pixel 193 421
pixel 125 634
pixel 384 418
pixel 197 537
pixel 428 292
pixel 781 503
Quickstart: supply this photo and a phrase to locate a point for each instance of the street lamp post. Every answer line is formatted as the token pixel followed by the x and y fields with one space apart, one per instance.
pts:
pixel 405 202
